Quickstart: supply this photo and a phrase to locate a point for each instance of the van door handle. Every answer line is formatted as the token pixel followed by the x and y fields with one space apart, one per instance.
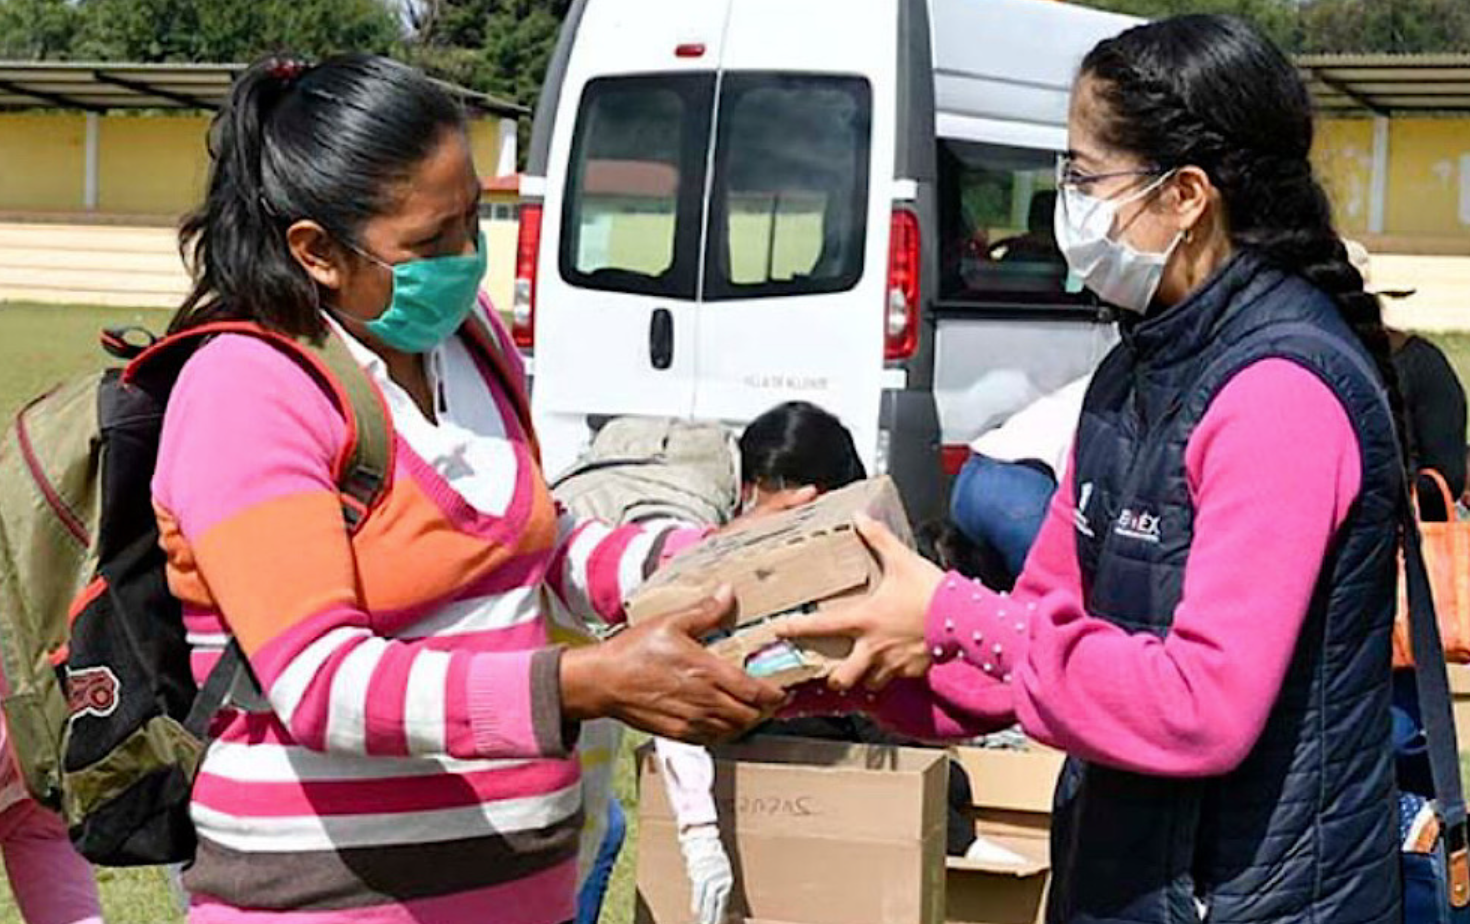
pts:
pixel 661 339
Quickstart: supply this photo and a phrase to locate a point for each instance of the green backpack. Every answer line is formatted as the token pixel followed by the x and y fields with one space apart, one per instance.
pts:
pixel 105 720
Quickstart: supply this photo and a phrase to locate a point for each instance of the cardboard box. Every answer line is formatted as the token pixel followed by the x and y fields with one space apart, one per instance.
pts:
pixel 1460 699
pixel 1013 798
pixel 818 833
pixel 789 562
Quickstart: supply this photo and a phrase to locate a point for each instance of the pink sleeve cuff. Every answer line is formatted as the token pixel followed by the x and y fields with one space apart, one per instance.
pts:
pixel 513 705
pixel 681 539
pixel 985 630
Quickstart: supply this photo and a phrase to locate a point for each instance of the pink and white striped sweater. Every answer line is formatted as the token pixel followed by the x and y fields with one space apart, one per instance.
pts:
pixel 411 764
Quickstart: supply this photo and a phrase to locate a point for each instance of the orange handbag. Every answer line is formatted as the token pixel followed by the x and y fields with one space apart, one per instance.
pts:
pixel 1447 559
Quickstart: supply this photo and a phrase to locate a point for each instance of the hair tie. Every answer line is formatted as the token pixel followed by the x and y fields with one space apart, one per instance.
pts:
pixel 287 71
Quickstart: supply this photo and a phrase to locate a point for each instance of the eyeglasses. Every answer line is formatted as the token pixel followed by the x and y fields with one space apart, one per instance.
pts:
pixel 1069 175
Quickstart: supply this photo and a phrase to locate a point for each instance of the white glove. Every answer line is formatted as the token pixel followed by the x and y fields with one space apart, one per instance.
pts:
pixel 711 879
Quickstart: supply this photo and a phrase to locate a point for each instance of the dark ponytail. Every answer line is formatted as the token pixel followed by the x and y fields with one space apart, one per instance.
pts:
pixel 330 143
pixel 1211 92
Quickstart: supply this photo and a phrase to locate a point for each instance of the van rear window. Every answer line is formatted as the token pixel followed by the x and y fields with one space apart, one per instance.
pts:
pixel 634 193
pixel 997 244
pixel 789 199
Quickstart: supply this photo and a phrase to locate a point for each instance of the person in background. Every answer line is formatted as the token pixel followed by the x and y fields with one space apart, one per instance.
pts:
pixel 51 882
pixel 593 891
pixel 792 447
pixel 1434 408
pixel 942 542
pixel 1001 495
pixel 1434 411
pixel 1434 404
pixel 1039 243
pixel 795 445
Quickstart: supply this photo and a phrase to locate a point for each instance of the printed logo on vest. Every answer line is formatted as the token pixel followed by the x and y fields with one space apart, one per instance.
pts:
pixel 1140 525
pixel 1079 513
pixel 91 691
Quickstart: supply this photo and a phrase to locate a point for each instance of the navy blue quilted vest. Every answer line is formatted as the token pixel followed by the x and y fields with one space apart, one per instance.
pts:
pixel 1304 829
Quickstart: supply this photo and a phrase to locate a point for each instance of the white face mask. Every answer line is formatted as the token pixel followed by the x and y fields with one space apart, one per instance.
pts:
pixel 1119 273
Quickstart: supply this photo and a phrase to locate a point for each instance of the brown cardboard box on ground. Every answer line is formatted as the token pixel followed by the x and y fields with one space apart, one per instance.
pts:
pixel 795 560
pixel 1013 798
pixel 818 832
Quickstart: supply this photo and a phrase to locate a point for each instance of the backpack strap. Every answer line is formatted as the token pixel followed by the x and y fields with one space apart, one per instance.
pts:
pixel 230 670
pixel 361 471
pixel 1446 496
pixel 363 468
pixel 483 335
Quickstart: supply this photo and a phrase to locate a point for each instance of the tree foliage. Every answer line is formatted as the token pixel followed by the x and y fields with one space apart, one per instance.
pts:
pixel 498 46
pixel 1333 26
pixel 1279 19
pixel 34 30
pixel 1398 26
pixel 503 46
pixel 193 30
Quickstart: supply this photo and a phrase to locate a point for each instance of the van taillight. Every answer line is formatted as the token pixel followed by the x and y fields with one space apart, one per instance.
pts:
pixel 953 458
pixel 901 311
pixel 523 304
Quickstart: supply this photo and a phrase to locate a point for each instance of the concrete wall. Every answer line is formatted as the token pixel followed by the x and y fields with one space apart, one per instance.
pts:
pixel 151 166
pixel 1429 177
pixel 1425 182
pixel 500 245
pixel 1344 160
pixel 42 162
pixel 150 169
pixel 138 266
pixel 91 264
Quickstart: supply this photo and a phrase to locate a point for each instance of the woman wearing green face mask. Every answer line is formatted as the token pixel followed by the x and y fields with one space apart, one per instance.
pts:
pixel 411 757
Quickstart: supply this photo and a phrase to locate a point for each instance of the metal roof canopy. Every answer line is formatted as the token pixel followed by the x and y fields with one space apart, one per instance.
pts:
pixel 1385 84
pixel 103 87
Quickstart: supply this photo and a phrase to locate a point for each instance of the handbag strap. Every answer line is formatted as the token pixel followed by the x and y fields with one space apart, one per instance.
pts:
pixel 1444 489
pixel 1431 679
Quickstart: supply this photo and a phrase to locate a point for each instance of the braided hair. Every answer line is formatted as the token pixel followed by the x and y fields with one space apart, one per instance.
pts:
pixel 1211 92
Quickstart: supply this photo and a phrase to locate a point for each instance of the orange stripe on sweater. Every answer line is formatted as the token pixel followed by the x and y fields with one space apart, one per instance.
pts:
pixel 408 551
pixel 271 565
pixel 184 581
pixel 277 562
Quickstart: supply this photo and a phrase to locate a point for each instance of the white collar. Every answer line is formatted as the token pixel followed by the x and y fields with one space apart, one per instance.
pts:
pixel 365 356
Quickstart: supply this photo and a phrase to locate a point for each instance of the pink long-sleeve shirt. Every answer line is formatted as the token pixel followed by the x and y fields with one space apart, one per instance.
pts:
pixel 1273 470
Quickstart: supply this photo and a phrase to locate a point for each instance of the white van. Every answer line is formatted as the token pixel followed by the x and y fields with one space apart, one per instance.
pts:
pixel 733 203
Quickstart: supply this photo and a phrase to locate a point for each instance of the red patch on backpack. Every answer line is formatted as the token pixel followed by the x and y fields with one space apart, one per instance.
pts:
pixel 91 691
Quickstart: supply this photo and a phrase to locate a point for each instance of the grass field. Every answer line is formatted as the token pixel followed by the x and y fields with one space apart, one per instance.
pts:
pixel 42 344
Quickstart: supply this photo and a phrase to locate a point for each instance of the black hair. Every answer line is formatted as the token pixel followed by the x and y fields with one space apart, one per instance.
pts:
pixel 329 143
pixel 1210 91
pixel 796 444
pixel 942 543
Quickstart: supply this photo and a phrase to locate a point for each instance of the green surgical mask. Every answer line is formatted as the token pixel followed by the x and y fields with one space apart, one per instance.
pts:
pixel 431 299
